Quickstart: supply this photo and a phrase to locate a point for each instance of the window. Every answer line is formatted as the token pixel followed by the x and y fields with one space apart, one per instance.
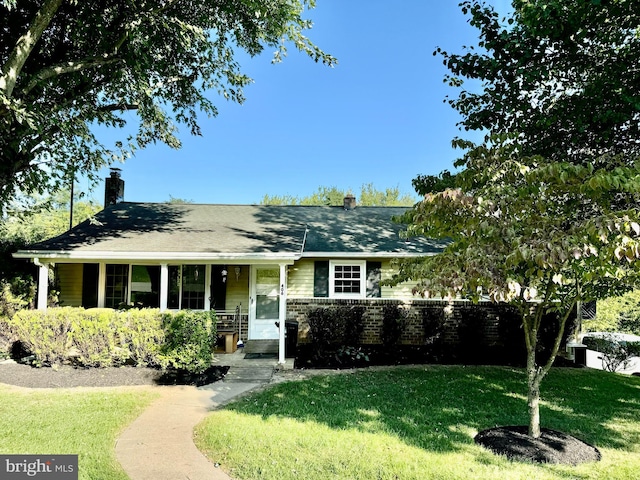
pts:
pixel 193 278
pixel 346 279
pixel 117 286
pixel 186 287
pixel 145 286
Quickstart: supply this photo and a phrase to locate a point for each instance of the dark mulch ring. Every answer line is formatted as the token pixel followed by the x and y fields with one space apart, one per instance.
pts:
pixel 184 377
pixel 67 376
pixel 552 446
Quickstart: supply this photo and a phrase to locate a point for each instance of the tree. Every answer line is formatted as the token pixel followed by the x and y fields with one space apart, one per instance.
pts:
pixel 545 213
pixel 178 201
pixel 67 66
pixel 29 221
pixel 35 219
pixel 617 314
pixel 369 196
pixel 539 235
pixel 557 72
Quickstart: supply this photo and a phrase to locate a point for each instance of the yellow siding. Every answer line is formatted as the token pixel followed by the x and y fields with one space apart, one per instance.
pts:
pixel 399 292
pixel 300 281
pixel 69 281
pixel 238 289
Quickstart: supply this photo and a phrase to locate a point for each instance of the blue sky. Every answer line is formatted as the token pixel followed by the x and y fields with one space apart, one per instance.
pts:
pixel 377 117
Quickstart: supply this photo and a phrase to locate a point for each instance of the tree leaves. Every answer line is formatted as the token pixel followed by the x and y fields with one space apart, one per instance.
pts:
pixel 96 60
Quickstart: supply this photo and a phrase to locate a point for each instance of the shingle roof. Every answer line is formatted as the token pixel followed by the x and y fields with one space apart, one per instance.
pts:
pixel 238 230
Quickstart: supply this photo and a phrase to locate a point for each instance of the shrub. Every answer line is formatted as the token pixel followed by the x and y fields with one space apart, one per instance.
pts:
pixel 352 320
pixel 46 334
pixel 190 338
pixel 94 336
pixel 142 335
pixel 513 350
pixel 433 327
pixel 433 322
pixel 395 320
pixel 104 337
pixel 15 295
pixel 472 347
pixel 323 328
pixel 615 353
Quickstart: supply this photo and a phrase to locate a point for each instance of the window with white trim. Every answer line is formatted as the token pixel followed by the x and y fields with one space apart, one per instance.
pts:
pixel 186 287
pixel 347 279
pixel 136 285
pixel 117 286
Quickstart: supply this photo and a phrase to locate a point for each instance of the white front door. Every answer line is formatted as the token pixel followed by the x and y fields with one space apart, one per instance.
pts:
pixel 265 303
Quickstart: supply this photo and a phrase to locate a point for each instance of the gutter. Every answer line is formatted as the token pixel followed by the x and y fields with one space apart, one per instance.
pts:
pixel 38 255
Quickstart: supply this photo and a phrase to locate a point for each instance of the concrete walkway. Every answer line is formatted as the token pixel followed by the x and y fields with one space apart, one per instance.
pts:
pixel 158 445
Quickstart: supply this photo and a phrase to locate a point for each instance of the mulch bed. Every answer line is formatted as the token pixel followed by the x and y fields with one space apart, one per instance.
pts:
pixel 551 447
pixel 66 376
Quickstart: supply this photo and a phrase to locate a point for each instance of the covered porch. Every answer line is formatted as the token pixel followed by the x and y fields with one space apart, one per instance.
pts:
pixel 249 298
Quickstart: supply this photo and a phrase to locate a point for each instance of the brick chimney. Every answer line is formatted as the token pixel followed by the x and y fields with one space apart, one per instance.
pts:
pixel 113 188
pixel 349 202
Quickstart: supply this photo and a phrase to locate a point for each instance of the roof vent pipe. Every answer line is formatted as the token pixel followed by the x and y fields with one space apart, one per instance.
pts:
pixel 113 188
pixel 349 202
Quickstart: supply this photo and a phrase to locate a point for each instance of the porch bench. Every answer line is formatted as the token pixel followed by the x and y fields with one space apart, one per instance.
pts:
pixel 230 340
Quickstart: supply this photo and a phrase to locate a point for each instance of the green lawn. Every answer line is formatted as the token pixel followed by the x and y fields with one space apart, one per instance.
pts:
pixel 84 422
pixel 419 423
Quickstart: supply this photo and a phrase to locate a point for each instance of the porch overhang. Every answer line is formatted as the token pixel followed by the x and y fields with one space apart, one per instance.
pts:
pixel 158 257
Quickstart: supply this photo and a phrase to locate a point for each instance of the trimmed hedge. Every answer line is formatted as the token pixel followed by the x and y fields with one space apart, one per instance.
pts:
pixel 101 337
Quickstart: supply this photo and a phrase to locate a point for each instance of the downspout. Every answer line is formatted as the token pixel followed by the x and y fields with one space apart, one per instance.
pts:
pixel 304 239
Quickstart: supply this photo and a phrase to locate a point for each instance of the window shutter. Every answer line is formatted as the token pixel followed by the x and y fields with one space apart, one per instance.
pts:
pixel 321 279
pixel 374 274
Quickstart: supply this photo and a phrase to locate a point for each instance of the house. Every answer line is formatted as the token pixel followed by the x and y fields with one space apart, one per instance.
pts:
pixel 255 265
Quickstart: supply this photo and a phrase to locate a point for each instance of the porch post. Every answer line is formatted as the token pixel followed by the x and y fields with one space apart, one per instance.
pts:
pixel 282 314
pixel 43 284
pixel 207 287
pixel 164 286
pixel 102 284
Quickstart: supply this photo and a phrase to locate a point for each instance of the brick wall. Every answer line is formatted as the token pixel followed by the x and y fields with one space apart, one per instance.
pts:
pixel 485 328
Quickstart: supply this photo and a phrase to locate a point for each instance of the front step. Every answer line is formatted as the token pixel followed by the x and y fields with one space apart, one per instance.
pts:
pixel 261 346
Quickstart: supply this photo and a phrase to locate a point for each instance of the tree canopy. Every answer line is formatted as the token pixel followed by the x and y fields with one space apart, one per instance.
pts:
pixel 617 314
pixel 369 196
pixel 31 220
pixel 545 211
pixel 67 66
pixel 559 73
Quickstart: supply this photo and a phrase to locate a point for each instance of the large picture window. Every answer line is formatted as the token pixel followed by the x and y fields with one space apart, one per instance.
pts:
pixel 145 286
pixel 186 287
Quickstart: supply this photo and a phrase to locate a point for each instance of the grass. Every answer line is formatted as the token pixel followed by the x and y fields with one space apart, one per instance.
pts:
pixel 83 422
pixel 419 422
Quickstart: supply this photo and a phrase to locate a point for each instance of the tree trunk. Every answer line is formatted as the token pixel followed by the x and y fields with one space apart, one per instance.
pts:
pixel 533 394
pixel 25 45
pixel 531 321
